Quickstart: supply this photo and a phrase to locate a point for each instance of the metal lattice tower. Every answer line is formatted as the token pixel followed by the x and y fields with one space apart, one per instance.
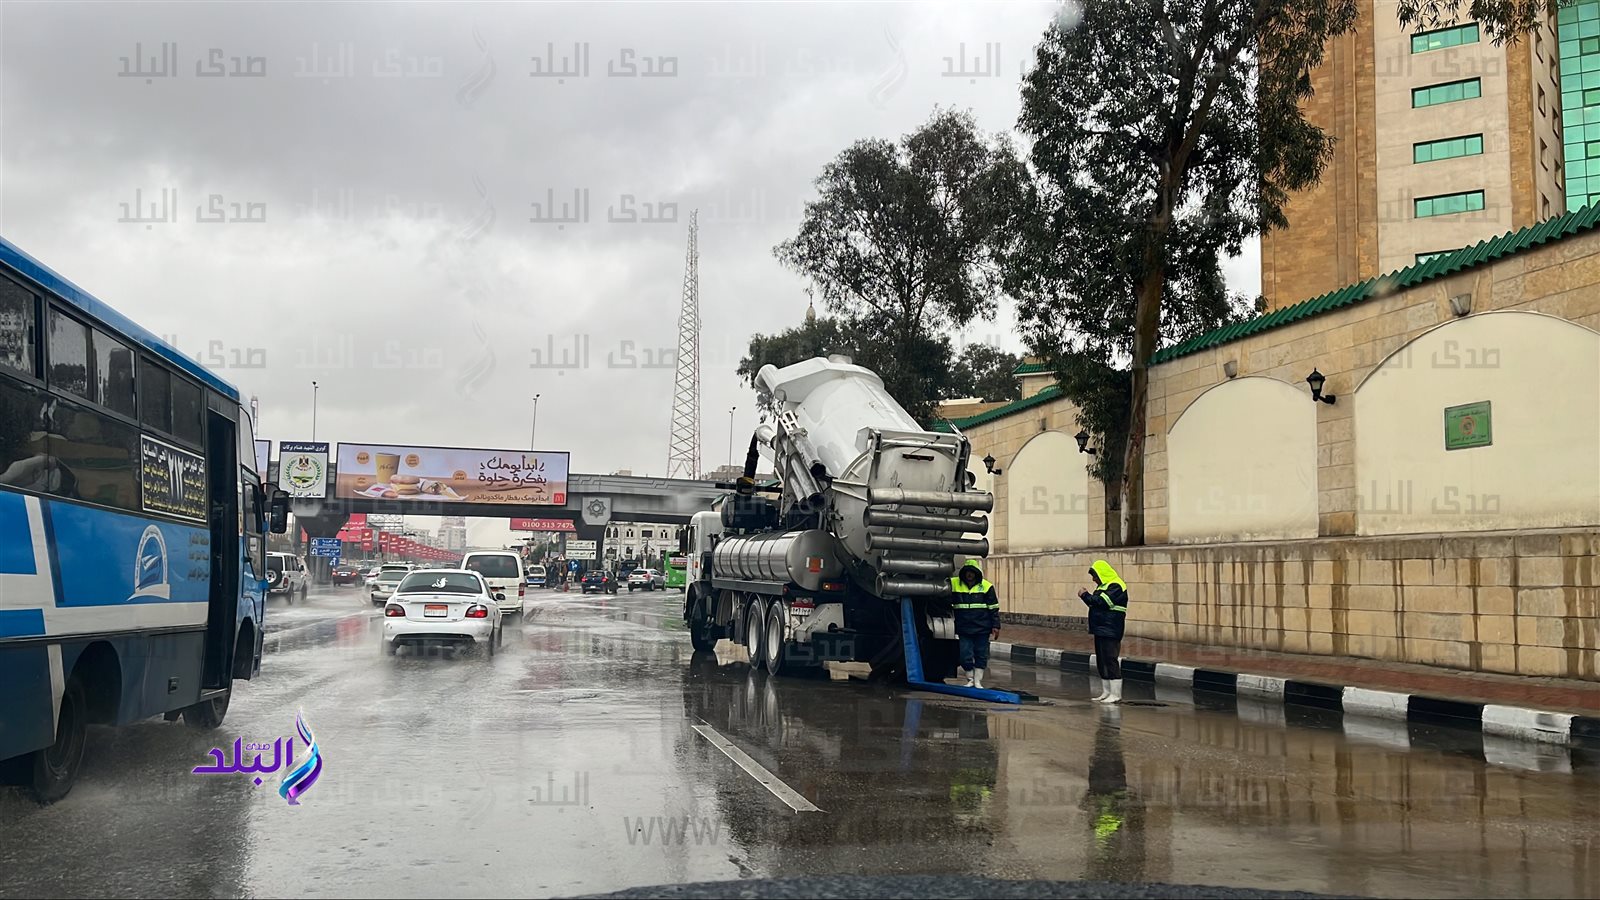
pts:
pixel 683 448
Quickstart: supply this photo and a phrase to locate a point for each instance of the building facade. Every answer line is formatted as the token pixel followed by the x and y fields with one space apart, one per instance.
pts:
pixel 640 541
pixel 1442 139
pixel 1440 506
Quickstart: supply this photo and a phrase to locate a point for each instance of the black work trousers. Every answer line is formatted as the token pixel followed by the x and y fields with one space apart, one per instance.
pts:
pixel 1106 651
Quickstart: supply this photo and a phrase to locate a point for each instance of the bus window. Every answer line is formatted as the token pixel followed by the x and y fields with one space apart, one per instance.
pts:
pixel 24 454
pixel 155 400
pixel 17 309
pixel 97 457
pixel 113 374
pixel 188 412
pixel 69 355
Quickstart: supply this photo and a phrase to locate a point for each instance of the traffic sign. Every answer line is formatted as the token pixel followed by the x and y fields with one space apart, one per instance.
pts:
pixel 579 554
pixel 579 545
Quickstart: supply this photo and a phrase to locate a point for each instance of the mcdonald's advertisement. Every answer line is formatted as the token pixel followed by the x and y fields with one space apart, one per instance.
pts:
pixel 451 475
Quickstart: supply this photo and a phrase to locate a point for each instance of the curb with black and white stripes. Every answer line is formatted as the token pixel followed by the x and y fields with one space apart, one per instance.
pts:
pixel 1515 722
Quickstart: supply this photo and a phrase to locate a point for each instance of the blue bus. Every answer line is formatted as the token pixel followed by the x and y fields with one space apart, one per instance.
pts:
pixel 132 529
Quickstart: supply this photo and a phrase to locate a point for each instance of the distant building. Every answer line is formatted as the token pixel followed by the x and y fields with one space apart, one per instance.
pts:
pixel 453 532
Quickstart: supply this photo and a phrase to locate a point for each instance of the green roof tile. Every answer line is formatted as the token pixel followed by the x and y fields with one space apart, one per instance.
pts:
pixel 1030 369
pixel 1045 396
pixel 1575 222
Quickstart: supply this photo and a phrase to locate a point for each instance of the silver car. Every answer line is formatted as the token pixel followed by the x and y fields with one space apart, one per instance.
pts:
pixel 389 577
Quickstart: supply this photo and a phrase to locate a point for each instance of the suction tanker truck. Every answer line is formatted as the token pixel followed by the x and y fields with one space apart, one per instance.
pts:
pixel 870 509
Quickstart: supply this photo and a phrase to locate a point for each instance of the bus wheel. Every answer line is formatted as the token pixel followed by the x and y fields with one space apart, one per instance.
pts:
pixel 207 714
pixel 56 767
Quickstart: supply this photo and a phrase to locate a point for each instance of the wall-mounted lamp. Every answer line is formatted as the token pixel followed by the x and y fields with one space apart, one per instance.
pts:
pixel 1317 380
pixel 988 464
pixel 1082 437
pixel 1231 368
pixel 1461 304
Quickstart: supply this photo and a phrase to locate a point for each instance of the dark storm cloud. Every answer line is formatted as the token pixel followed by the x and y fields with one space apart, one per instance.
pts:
pixel 398 155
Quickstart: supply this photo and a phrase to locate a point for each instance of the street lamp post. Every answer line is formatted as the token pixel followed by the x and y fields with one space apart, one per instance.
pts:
pixel 313 410
pixel 730 434
pixel 533 436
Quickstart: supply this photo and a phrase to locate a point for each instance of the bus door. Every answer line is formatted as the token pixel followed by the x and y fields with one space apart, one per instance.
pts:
pixel 222 473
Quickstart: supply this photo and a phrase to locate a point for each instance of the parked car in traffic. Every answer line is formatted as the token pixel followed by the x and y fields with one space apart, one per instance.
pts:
pixel 502 569
pixel 449 607
pixel 286 574
pixel 536 576
pixel 343 574
pixel 389 577
pixel 646 579
pixel 599 581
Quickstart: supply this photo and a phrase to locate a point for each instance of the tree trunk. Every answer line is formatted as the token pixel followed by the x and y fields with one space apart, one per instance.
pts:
pixel 1147 321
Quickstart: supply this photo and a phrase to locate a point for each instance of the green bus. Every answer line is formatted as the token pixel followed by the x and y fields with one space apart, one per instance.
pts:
pixel 677 571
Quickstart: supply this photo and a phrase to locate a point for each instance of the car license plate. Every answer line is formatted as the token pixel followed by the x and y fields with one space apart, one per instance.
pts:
pixel 435 609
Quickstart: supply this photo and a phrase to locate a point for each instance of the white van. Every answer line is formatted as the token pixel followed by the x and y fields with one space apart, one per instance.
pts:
pixel 503 570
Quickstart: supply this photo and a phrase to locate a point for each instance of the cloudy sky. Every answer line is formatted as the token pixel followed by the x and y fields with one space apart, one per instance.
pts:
pixel 398 155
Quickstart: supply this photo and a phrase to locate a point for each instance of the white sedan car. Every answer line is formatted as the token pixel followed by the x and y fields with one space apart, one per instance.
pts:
pixel 432 607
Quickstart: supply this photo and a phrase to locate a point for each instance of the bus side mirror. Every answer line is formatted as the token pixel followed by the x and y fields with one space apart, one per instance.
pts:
pixel 278 512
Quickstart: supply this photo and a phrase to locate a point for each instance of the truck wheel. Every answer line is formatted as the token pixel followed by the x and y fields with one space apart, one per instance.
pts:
pixel 702 627
pixel 207 714
pixel 775 644
pixel 755 633
pixel 56 767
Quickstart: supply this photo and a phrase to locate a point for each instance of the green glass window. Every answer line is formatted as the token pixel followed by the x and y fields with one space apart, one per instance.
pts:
pixel 1449 148
pixel 1444 37
pixel 1449 204
pixel 1424 257
pixel 1449 92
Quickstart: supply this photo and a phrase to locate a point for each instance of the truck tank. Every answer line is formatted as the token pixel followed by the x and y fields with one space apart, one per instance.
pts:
pixel 895 498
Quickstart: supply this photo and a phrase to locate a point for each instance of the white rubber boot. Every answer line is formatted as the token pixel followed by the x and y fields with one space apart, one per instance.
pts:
pixel 1115 696
pixel 972 678
pixel 977 678
pixel 1105 691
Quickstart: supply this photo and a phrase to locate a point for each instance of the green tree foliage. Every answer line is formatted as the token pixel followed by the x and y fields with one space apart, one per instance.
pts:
pixel 899 245
pixel 1164 133
pixel 987 372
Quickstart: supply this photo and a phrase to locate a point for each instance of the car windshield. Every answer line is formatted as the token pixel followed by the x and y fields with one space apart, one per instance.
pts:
pixel 640 572
pixel 536 570
pixel 440 583
pixel 275 564
pixel 493 566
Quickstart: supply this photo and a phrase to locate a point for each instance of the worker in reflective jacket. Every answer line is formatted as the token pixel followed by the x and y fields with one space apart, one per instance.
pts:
pixel 1108 608
pixel 977 619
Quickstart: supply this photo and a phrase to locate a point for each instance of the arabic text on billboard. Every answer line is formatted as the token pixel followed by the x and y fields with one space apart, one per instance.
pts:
pixel 452 475
pixel 303 468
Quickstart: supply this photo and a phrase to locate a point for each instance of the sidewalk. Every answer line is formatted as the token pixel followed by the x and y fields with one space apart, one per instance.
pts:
pixel 1546 709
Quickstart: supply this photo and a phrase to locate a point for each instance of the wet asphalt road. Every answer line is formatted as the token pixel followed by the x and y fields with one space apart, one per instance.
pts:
pixel 583 759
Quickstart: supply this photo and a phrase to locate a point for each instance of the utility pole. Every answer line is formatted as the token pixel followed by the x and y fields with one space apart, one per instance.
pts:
pixel 313 410
pixel 533 436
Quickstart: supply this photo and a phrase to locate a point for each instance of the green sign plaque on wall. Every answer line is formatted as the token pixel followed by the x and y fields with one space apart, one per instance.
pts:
pixel 1468 425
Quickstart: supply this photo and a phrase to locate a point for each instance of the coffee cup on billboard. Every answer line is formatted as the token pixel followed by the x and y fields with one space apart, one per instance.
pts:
pixel 388 467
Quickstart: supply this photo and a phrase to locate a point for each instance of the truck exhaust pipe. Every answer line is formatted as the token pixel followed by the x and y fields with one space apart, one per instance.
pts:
pixel 974 500
pixel 951 546
pixel 956 524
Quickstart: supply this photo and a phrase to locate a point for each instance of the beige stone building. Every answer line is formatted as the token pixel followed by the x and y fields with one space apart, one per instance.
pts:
pixel 1443 139
pixel 1444 508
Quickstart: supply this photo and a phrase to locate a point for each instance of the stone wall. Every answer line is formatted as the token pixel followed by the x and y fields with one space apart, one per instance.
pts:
pixel 1524 603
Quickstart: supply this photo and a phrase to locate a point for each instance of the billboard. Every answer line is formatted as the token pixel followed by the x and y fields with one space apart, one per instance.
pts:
pixel 543 525
pixel 303 468
pixel 451 474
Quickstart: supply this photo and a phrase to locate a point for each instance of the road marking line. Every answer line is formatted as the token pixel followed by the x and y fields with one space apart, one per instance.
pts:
pixel 768 780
